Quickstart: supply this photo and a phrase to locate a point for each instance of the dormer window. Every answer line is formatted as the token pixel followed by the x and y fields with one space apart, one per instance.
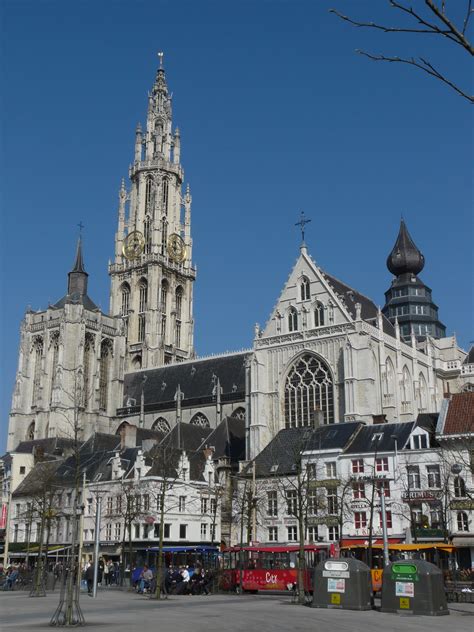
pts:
pixel 304 288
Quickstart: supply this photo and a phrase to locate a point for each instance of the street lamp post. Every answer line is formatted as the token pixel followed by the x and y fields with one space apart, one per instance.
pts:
pixel 97 541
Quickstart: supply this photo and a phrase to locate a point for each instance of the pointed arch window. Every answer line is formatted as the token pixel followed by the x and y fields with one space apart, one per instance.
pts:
pixel 143 296
pixel 308 388
pixel 304 289
pixel 165 195
pixel 178 334
pixel 104 373
pixel 125 292
pixel 161 425
pixel 200 419
pixel 318 314
pixel 422 393
pixel 88 366
pixel 406 388
pixel 30 433
pixel 54 364
pixel 147 234
pixel 38 353
pixel 389 384
pixel 239 413
pixel 149 195
pixel 179 301
pixel 164 235
pixel 292 319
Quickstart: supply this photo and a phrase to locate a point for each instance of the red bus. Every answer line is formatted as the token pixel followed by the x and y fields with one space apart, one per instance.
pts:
pixel 254 568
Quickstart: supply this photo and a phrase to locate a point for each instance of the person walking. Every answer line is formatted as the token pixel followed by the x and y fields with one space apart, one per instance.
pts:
pixel 89 575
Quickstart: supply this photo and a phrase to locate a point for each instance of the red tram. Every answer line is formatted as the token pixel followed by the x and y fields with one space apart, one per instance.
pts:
pixel 254 568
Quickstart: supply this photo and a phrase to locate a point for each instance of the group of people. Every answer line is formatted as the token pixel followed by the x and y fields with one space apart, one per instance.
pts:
pixel 10 577
pixel 181 580
pixel 108 573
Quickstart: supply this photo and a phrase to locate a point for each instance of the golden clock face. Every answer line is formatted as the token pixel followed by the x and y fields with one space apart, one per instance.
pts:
pixel 176 248
pixel 133 245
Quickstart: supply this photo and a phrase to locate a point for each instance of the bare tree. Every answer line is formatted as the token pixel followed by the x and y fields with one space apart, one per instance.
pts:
pixel 430 19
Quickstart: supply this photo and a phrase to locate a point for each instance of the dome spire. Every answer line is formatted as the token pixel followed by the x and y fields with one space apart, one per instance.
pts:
pixel 405 256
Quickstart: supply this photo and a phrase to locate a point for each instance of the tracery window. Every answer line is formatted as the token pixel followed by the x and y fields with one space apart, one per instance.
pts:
pixel 149 193
pixel 143 299
pixel 54 365
pixel 125 291
pixel 239 413
pixel 147 234
pixel 200 420
pixel 38 351
pixel 406 386
pixel 422 393
pixel 308 387
pixel 292 319
pixel 179 301
pixel 88 359
pixel 165 195
pixel 304 287
pixel 164 235
pixel 104 371
pixel 141 327
pixel 319 315
pixel 161 425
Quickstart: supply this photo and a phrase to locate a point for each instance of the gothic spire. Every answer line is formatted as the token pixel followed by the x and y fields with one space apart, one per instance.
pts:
pixel 77 278
pixel 405 256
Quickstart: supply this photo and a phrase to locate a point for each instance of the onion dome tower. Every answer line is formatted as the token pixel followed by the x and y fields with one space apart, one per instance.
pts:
pixel 408 299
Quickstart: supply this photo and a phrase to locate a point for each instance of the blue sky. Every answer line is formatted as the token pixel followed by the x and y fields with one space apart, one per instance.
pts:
pixel 277 115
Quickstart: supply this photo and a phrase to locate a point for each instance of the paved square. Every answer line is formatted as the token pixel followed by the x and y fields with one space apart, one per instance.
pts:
pixel 116 610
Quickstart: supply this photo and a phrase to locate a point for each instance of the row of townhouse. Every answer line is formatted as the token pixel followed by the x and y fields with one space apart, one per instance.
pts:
pixel 329 481
pixel 176 483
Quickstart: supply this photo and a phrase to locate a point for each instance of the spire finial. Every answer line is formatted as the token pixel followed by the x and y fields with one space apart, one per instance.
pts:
pixel 160 57
pixel 302 223
pixel 81 226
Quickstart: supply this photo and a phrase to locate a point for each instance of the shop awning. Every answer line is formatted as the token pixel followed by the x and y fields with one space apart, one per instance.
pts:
pixel 363 542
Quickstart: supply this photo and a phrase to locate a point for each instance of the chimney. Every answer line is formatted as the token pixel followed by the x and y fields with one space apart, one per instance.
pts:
pixel 128 436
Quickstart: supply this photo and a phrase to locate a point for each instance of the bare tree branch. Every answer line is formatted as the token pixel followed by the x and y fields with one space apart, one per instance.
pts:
pixel 442 26
pixel 425 65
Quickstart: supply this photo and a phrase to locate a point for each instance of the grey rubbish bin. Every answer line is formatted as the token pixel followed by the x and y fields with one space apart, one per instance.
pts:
pixel 342 583
pixel 413 587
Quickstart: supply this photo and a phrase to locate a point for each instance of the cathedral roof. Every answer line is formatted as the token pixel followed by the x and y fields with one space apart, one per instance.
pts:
pixel 405 256
pixel 369 310
pixel 469 359
pixel 228 440
pixel 197 380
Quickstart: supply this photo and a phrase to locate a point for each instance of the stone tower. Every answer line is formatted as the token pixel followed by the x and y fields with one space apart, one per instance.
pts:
pixel 408 299
pixel 69 368
pixel 152 274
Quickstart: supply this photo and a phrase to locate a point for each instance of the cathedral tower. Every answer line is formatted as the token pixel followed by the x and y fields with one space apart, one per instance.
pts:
pixel 152 274
pixel 408 299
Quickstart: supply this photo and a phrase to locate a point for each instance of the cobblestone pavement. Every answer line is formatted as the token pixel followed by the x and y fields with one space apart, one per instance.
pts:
pixel 117 610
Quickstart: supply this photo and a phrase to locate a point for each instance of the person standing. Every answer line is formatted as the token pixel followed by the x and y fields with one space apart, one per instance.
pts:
pixel 106 573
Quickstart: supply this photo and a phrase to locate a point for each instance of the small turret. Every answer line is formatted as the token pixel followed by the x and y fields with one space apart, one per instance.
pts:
pixel 138 143
pixel 77 278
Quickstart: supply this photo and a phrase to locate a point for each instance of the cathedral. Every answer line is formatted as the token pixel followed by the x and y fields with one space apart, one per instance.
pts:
pixel 326 355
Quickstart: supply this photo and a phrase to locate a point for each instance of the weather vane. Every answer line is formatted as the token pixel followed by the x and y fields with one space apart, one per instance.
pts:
pixel 81 226
pixel 160 56
pixel 302 223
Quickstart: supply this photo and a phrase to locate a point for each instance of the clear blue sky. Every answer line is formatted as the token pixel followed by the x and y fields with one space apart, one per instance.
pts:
pixel 277 115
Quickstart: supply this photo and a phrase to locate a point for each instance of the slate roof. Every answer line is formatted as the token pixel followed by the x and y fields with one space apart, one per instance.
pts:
pixel 469 359
pixel 41 477
pixel 77 299
pixel 197 380
pixel 228 440
pixel 460 414
pixel 288 443
pixel 369 310
pixel 52 445
pixel 165 462
pixel 365 439
pixel 186 437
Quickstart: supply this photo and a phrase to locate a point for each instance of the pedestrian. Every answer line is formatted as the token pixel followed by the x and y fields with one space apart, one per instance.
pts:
pixel 106 572
pixel 89 575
